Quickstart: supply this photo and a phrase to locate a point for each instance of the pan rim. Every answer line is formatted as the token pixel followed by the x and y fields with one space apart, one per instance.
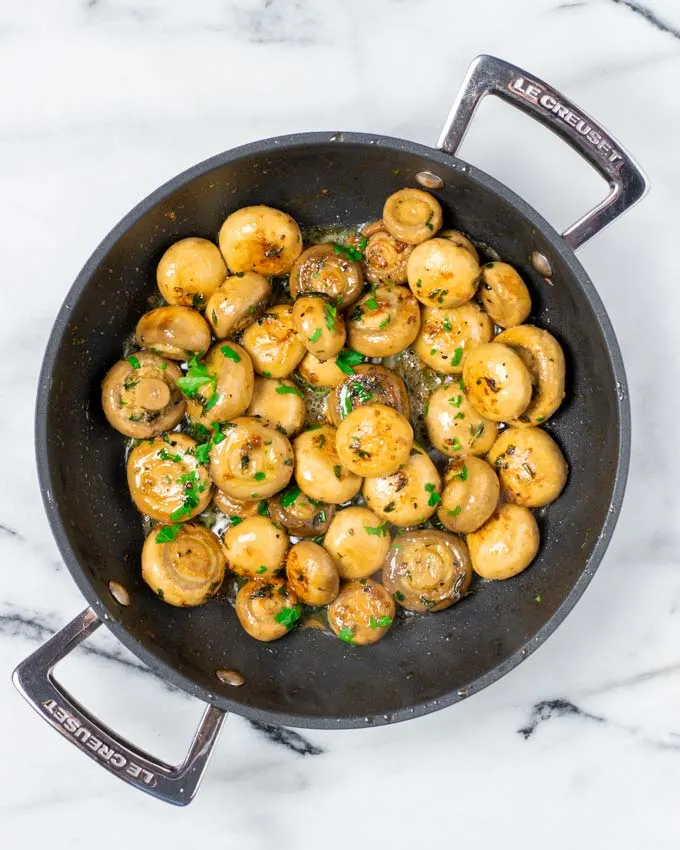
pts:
pixel 106 609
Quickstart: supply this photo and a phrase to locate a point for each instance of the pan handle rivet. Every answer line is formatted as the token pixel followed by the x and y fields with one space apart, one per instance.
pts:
pixel 119 593
pixel 230 677
pixel 429 180
pixel 540 263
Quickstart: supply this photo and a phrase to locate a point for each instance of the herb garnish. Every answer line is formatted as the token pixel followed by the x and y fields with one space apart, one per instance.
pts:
pixel 316 336
pixel 288 617
pixel 284 389
pixel 337 469
pixel 164 454
pixel 261 569
pixel 352 253
pixel 346 634
pixel 168 533
pixel 347 359
pixel 331 313
pixel 455 511
pixel 289 497
pixel 235 520
pixel 229 352
pixel 134 361
pixel 197 376
pixel 377 530
pixel 380 623
pixel 457 356
pixel 259 476
pixel 435 498
pixel 463 474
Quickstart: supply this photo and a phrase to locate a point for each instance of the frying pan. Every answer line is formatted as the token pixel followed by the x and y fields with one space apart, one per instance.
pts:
pixel 308 679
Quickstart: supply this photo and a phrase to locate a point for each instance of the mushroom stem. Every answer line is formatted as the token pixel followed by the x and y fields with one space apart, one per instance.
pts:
pixel 153 393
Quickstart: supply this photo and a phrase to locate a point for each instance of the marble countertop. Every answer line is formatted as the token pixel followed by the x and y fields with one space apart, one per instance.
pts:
pixel 103 100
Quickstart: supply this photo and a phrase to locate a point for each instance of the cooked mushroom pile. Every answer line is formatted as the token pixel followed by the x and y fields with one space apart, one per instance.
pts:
pixel 277 440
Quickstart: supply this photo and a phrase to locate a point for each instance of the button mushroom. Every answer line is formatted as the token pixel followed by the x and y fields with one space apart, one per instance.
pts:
pixel 166 480
pixel 183 565
pixel 319 471
pixel 410 495
pixel 385 257
pixel 531 466
pixel 255 547
pixel 384 322
pixel 319 326
pixel 504 295
pixel 221 387
pixel 300 515
pixel 446 334
pixel 311 573
pixel 442 274
pixel 374 440
pixel 470 495
pixel 235 507
pixel 459 239
pixel 362 612
pixel 412 216
pixel 506 544
pixel 260 239
pixel 318 374
pixel 236 303
pixel 497 382
pixel 357 541
pixel 427 571
pixel 254 461
pixel 279 403
pixel 174 332
pixel 454 426
pixel 327 270
pixel 273 343
pixel 140 397
pixel 370 384
pixel 267 610
pixel 190 271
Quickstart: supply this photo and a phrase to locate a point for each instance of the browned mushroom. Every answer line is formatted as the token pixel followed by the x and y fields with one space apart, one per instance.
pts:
pixel 327 270
pixel 362 612
pixel 190 271
pixel 370 384
pixel 174 332
pixel 260 239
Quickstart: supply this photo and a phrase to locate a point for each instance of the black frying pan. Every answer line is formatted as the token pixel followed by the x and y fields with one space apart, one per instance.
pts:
pixel 306 679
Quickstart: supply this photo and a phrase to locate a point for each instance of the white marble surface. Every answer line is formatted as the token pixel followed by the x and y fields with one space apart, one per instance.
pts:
pixel 102 100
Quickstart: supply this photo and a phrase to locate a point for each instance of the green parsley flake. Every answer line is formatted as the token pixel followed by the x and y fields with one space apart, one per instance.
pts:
pixel 455 511
pixel 261 569
pixel 331 313
pixel 134 361
pixel 384 323
pixel 456 400
pixel 262 508
pixel 259 476
pixel 316 336
pixel 463 474
pixel 164 454
pixel 371 303
pixel 202 453
pixel 288 617
pixel 377 530
pixel 346 634
pixel 537 598
pixel 284 389
pixel 447 325
pixel 457 356
pixel 347 359
pixel 350 252
pixel 229 352
pixel 197 376
pixel 459 416
pixel 235 520
pixel 380 623
pixel 289 497
pixel 435 498
pixel 337 470
pixel 399 596
pixel 168 533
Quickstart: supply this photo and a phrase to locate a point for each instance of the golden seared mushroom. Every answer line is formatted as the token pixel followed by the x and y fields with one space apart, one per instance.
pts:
pixel 531 466
pixel 385 257
pixel 454 426
pixel 311 573
pixel 506 544
pixel 318 374
pixel 357 541
pixel 319 326
pixel 174 332
pixel 300 515
pixel 267 610
pixel 255 547
pixel 410 495
pixel 140 396
pixel 219 388
pixel 459 239
pixel 166 480
pixel 374 440
pixel 183 564
pixel 273 343
pixel 470 495
pixel 442 274
pixel 235 507
pixel 384 322
pixel 542 354
pixel 190 271
pixel 447 333
pixel 236 303
pixel 254 461
pixel 427 570
pixel 327 270
pixel 362 612
pixel 504 295
pixel 370 384
pixel 279 403
pixel 319 472
pixel 260 239
pixel 412 216
pixel 497 383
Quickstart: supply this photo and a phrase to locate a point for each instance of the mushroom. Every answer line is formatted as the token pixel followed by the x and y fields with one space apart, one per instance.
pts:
pixel 267 610
pixel 300 515
pixel 140 397
pixel 384 322
pixel 506 544
pixel 410 495
pixel 362 612
pixel 412 216
pixel 470 495
pixel 427 571
pixel 370 384
pixel 279 403
pixel 385 257
pixel 531 466
pixel 235 507
pixel 319 471
pixel 254 461
pixel 260 239
pixel 446 334
pixel 497 382
pixel 190 271
pixel 273 343
pixel 221 387
pixel 236 303
pixel 357 541
pixel 318 374
pixel 442 274
pixel 504 295
pixel 454 426
pixel 459 239
pixel 174 332
pixel 255 547
pixel 183 565
pixel 542 354
pixel 374 440
pixel 166 480
pixel 319 326
pixel 311 573
pixel 327 270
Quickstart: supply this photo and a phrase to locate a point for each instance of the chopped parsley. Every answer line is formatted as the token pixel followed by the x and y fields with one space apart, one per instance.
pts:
pixel 235 520
pixel 284 389
pixel 316 336
pixel 456 444
pixel 346 634
pixel 259 476
pixel 377 530
pixel 229 352
pixel 288 617
pixel 289 497
pixel 192 488
pixel 433 351
pixel 347 359
pixel 164 454
pixel 337 470
pixel 537 598
pixel 384 323
pixel 459 416
pixel 353 254
pixel 168 533
pixel 398 595
pixel 371 303
pixel 457 356
pixel 134 361
pixel 202 453
pixel 331 313
pixel 462 473
pixel 447 325
pixel 435 498
pixel 476 432
pixel 428 223
pixel 359 391
pixel 455 511
pixel 197 376
pixel 380 623
pixel 261 569
pixel 218 436
pixel 262 508
pixel 346 406
pixel 456 400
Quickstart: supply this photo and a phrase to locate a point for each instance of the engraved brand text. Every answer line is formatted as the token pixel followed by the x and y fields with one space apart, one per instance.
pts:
pixel 536 94
pixel 73 727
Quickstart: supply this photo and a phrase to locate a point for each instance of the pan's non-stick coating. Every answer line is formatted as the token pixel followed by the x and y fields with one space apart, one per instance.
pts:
pixel 309 678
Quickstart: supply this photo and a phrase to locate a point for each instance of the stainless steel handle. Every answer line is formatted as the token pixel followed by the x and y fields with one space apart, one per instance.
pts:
pixel 33 679
pixel 489 75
